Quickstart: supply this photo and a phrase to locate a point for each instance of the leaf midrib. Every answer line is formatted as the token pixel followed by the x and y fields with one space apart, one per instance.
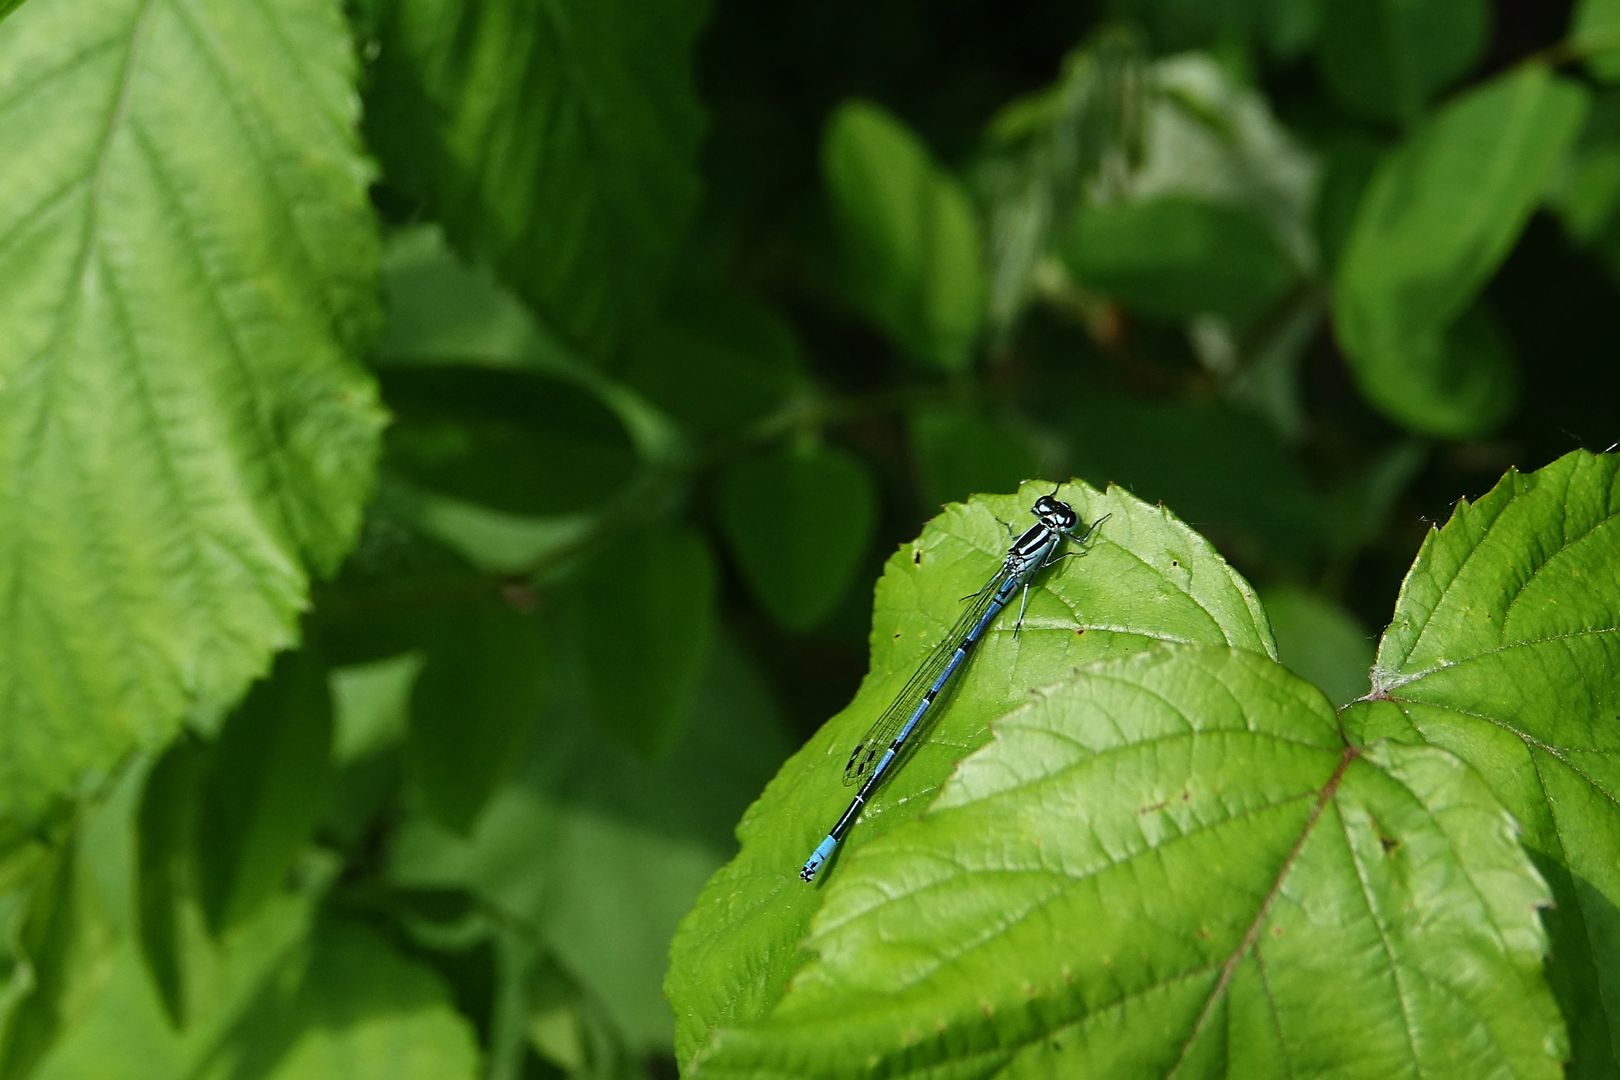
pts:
pixel 1229 968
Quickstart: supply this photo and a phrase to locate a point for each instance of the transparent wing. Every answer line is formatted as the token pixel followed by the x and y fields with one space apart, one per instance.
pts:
pixel 883 730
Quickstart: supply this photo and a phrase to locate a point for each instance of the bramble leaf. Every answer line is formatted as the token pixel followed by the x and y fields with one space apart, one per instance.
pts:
pixel 1505 650
pixel 1153 869
pixel 1146 579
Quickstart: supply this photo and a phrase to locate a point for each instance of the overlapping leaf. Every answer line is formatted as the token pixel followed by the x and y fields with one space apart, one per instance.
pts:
pixel 1155 865
pixel 1505 650
pixel 1154 869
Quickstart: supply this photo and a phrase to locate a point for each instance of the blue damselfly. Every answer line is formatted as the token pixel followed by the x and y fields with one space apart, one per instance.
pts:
pixel 874 755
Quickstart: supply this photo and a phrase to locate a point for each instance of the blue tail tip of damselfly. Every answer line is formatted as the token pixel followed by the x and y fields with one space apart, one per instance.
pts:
pixel 818 859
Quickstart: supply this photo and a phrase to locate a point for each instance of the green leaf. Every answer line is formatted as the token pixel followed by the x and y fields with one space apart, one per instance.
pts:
pixel 1505 650
pixel 287 1002
pixel 190 267
pixel 477 699
pixel 1043 148
pixel 557 141
pixel 646 615
pixel 1154 868
pixel 1456 382
pixel 800 521
pixel 961 451
pixel 1439 216
pixel 1146 579
pixel 1211 139
pixel 354 1008
pixel 913 255
pixel 1319 641
pixel 164 842
pixel 371 705
pixel 1595 34
pixel 267 784
pixel 519 441
pixel 37 900
pixel 1176 257
pixel 597 854
pixel 1216 465
pixel 1384 59
pixel 442 310
pixel 710 335
pixel 1588 192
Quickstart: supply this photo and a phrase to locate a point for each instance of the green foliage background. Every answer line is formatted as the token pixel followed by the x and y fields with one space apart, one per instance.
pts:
pixel 446 449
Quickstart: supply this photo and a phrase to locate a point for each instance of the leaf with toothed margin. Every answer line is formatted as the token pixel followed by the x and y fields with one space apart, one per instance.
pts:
pixel 190 263
pixel 1145 579
pixel 1172 864
pixel 1505 650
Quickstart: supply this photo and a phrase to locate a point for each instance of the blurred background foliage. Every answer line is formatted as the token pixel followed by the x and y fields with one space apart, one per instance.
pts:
pixel 693 312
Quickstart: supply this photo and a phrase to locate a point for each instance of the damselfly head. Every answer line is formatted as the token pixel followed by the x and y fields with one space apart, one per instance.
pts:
pixel 1055 513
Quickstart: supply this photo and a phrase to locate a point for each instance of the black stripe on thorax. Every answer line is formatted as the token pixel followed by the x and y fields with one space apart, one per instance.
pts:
pixel 1037 537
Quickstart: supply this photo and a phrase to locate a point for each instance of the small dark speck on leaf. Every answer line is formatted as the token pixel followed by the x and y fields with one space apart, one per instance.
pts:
pixel 1277 931
pixel 1389 843
pixel 916 558
pixel 1079 631
pixel 1175 563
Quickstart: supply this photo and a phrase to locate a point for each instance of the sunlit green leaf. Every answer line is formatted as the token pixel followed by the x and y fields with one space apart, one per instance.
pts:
pixel 799 522
pixel 1152 869
pixel 1146 579
pixel 913 257
pixel 1440 215
pixel 556 141
pixel 190 267
pixel 1505 650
